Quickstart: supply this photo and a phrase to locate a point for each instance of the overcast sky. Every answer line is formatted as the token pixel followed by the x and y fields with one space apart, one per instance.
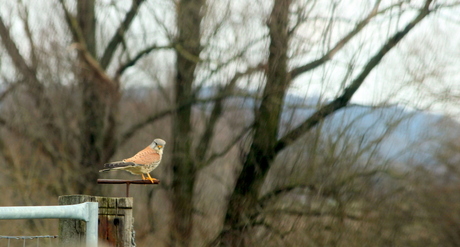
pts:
pixel 427 59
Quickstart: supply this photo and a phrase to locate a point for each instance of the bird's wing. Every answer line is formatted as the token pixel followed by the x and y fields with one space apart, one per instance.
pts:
pixel 145 157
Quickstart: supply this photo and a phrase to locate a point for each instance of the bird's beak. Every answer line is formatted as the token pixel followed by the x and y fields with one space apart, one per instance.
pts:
pixel 159 146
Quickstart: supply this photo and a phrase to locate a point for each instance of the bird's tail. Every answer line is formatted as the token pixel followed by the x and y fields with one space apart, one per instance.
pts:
pixel 116 164
pixel 110 166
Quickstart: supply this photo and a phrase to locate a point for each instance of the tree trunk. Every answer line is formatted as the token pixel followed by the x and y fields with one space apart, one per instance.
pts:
pixel 188 48
pixel 267 120
pixel 99 104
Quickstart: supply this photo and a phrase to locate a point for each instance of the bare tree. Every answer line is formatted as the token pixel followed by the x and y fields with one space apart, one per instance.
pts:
pixel 265 143
pixel 71 112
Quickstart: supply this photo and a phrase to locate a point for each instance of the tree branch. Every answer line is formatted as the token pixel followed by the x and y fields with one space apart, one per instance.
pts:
pixel 186 54
pixel 24 14
pixel 35 88
pixel 6 151
pixel 81 47
pixel 118 36
pixel 40 143
pixel 226 149
pixel 339 45
pixel 73 26
pixel 343 100
pixel 275 193
pixel 232 60
pixel 294 212
pixel 156 116
pixel 18 60
pixel 139 55
pixel 8 91
pixel 217 110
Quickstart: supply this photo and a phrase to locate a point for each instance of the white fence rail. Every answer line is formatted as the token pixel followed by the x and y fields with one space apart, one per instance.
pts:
pixel 87 211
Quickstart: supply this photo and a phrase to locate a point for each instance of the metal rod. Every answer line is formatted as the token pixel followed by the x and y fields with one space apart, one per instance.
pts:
pixel 122 181
pixel 91 223
pixel 87 211
pixel 127 182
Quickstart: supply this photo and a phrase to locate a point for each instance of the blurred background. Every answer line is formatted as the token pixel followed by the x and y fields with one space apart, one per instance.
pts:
pixel 287 122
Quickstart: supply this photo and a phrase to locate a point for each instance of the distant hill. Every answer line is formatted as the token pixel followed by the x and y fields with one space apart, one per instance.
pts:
pixel 412 137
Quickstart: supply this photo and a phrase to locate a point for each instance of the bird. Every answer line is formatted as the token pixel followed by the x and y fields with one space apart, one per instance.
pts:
pixel 141 163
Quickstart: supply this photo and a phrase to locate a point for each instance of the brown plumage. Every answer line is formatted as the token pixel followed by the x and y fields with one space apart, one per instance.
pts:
pixel 141 163
pixel 146 156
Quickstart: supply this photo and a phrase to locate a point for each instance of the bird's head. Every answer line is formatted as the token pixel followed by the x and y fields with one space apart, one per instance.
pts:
pixel 158 144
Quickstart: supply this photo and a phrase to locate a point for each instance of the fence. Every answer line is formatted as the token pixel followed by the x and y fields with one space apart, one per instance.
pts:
pixel 25 238
pixel 87 211
pixel 115 221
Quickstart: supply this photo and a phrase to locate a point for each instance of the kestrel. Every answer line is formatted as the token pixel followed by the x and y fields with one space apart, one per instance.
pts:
pixel 141 163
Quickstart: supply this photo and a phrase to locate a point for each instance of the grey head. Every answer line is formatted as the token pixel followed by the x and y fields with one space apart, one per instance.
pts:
pixel 158 144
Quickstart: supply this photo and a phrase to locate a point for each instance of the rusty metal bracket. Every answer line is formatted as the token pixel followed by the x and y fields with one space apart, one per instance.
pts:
pixel 127 182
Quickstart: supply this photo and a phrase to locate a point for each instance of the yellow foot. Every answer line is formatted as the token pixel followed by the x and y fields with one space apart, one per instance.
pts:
pixel 150 178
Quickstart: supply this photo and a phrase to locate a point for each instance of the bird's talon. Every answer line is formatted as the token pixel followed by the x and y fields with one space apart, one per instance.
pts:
pixel 150 178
